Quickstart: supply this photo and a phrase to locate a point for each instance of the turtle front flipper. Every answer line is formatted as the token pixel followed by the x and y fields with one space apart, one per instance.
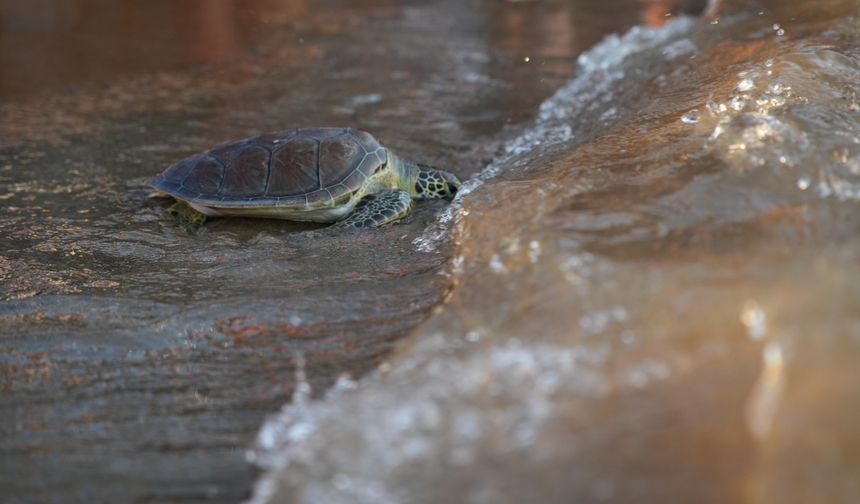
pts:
pixel 376 210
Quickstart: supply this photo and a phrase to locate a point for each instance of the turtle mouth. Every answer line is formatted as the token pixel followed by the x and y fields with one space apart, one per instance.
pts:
pixel 453 184
pixel 452 190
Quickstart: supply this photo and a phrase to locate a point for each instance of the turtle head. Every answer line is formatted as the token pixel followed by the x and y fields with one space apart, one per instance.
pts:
pixel 435 184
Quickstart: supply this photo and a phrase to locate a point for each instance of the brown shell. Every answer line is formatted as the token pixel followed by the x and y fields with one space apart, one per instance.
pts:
pixel 307 166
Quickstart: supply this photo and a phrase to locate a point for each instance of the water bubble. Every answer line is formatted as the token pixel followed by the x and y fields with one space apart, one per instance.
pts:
pixel 534 251
pixel 497 265
pixel 715 108
pixel 768 63
pixel 773 355
pixel 803 183
pixel 780 32
pixel 753 318
pixel 691 117
pixel 344 382
pixel 302 392
pixel 457 264
pixel 738 103
pixel 745 85
pixel 776 26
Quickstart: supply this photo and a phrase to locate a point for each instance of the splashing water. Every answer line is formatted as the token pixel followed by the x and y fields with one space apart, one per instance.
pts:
pixel 609 362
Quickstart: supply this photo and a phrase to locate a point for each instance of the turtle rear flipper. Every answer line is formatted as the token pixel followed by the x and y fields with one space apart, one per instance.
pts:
pixel 378 209
pixel 187 217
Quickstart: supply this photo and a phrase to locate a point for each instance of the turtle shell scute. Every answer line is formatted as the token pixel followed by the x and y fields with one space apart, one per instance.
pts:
pixel 247 173
pixel 294 168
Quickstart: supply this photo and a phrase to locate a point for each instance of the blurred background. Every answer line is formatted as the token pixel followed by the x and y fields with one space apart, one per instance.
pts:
pixel 48 44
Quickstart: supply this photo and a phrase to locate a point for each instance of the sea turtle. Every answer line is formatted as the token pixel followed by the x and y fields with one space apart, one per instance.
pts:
pixel 309 174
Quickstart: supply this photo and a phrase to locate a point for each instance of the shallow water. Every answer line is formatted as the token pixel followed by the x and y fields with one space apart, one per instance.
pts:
pixel 137 360
pixel 646 292
pixel 655 292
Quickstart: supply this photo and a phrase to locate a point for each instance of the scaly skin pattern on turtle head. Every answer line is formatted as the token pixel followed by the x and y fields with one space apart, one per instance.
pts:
pixel 436 184
pixel 424 182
